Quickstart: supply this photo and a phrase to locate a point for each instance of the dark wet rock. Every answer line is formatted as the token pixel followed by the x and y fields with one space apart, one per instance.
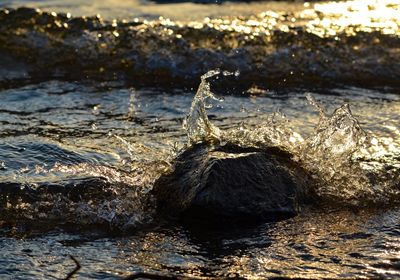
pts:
pixel 232 183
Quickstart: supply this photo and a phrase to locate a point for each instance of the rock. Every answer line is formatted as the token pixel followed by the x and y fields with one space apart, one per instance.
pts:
pixel 230 183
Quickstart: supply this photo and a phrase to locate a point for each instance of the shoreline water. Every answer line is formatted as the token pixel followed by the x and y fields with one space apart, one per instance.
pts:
pixel 269 49
pixel 92 112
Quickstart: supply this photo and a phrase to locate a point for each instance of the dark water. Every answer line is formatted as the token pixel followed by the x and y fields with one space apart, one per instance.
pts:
pixel 86 129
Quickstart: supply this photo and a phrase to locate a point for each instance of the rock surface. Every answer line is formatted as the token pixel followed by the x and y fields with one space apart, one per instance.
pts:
pixel 233 184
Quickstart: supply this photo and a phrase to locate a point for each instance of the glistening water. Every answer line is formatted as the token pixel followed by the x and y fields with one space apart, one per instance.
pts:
pixel 93 111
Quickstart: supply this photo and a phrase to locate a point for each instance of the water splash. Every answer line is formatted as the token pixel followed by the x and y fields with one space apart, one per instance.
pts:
pixel 328 154
pixel 275 131
pixel 338 135
pixel 350 166
pixel 197 125
pixel 332 154
pixel 338 154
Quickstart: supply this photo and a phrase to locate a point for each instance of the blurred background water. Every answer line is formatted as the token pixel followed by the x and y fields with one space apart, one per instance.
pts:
pixel 176 10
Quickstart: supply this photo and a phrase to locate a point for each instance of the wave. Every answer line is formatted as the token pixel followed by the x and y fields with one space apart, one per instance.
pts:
pixel 317 45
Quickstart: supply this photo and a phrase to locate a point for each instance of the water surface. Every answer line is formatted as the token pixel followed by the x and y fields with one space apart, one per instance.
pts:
pixel 92 112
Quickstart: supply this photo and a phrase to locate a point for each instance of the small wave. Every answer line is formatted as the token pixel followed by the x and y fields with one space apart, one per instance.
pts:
pixel 313 46
pixel 47 183
pixel 82 201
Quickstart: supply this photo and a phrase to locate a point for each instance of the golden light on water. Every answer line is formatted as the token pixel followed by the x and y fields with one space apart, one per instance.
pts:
pixel 355 16
pixel 323 19
pixel 326 19
pixel 128 138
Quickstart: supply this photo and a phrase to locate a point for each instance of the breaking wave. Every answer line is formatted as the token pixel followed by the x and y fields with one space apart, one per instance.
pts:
pixel 320 44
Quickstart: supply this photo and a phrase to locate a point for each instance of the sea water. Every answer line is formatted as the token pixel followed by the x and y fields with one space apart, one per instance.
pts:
pixel 93 110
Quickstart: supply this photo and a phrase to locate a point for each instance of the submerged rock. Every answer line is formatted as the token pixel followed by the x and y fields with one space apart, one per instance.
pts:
pixel 230 183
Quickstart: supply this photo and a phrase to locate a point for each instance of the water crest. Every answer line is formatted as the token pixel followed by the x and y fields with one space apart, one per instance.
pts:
pixel 311 45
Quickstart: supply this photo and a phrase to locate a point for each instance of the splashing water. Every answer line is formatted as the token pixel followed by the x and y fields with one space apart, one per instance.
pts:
pixel 332 154
pixel 328 154
pixel 347 163
pixel 77 153
pixel 197 124
pixel 275 132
